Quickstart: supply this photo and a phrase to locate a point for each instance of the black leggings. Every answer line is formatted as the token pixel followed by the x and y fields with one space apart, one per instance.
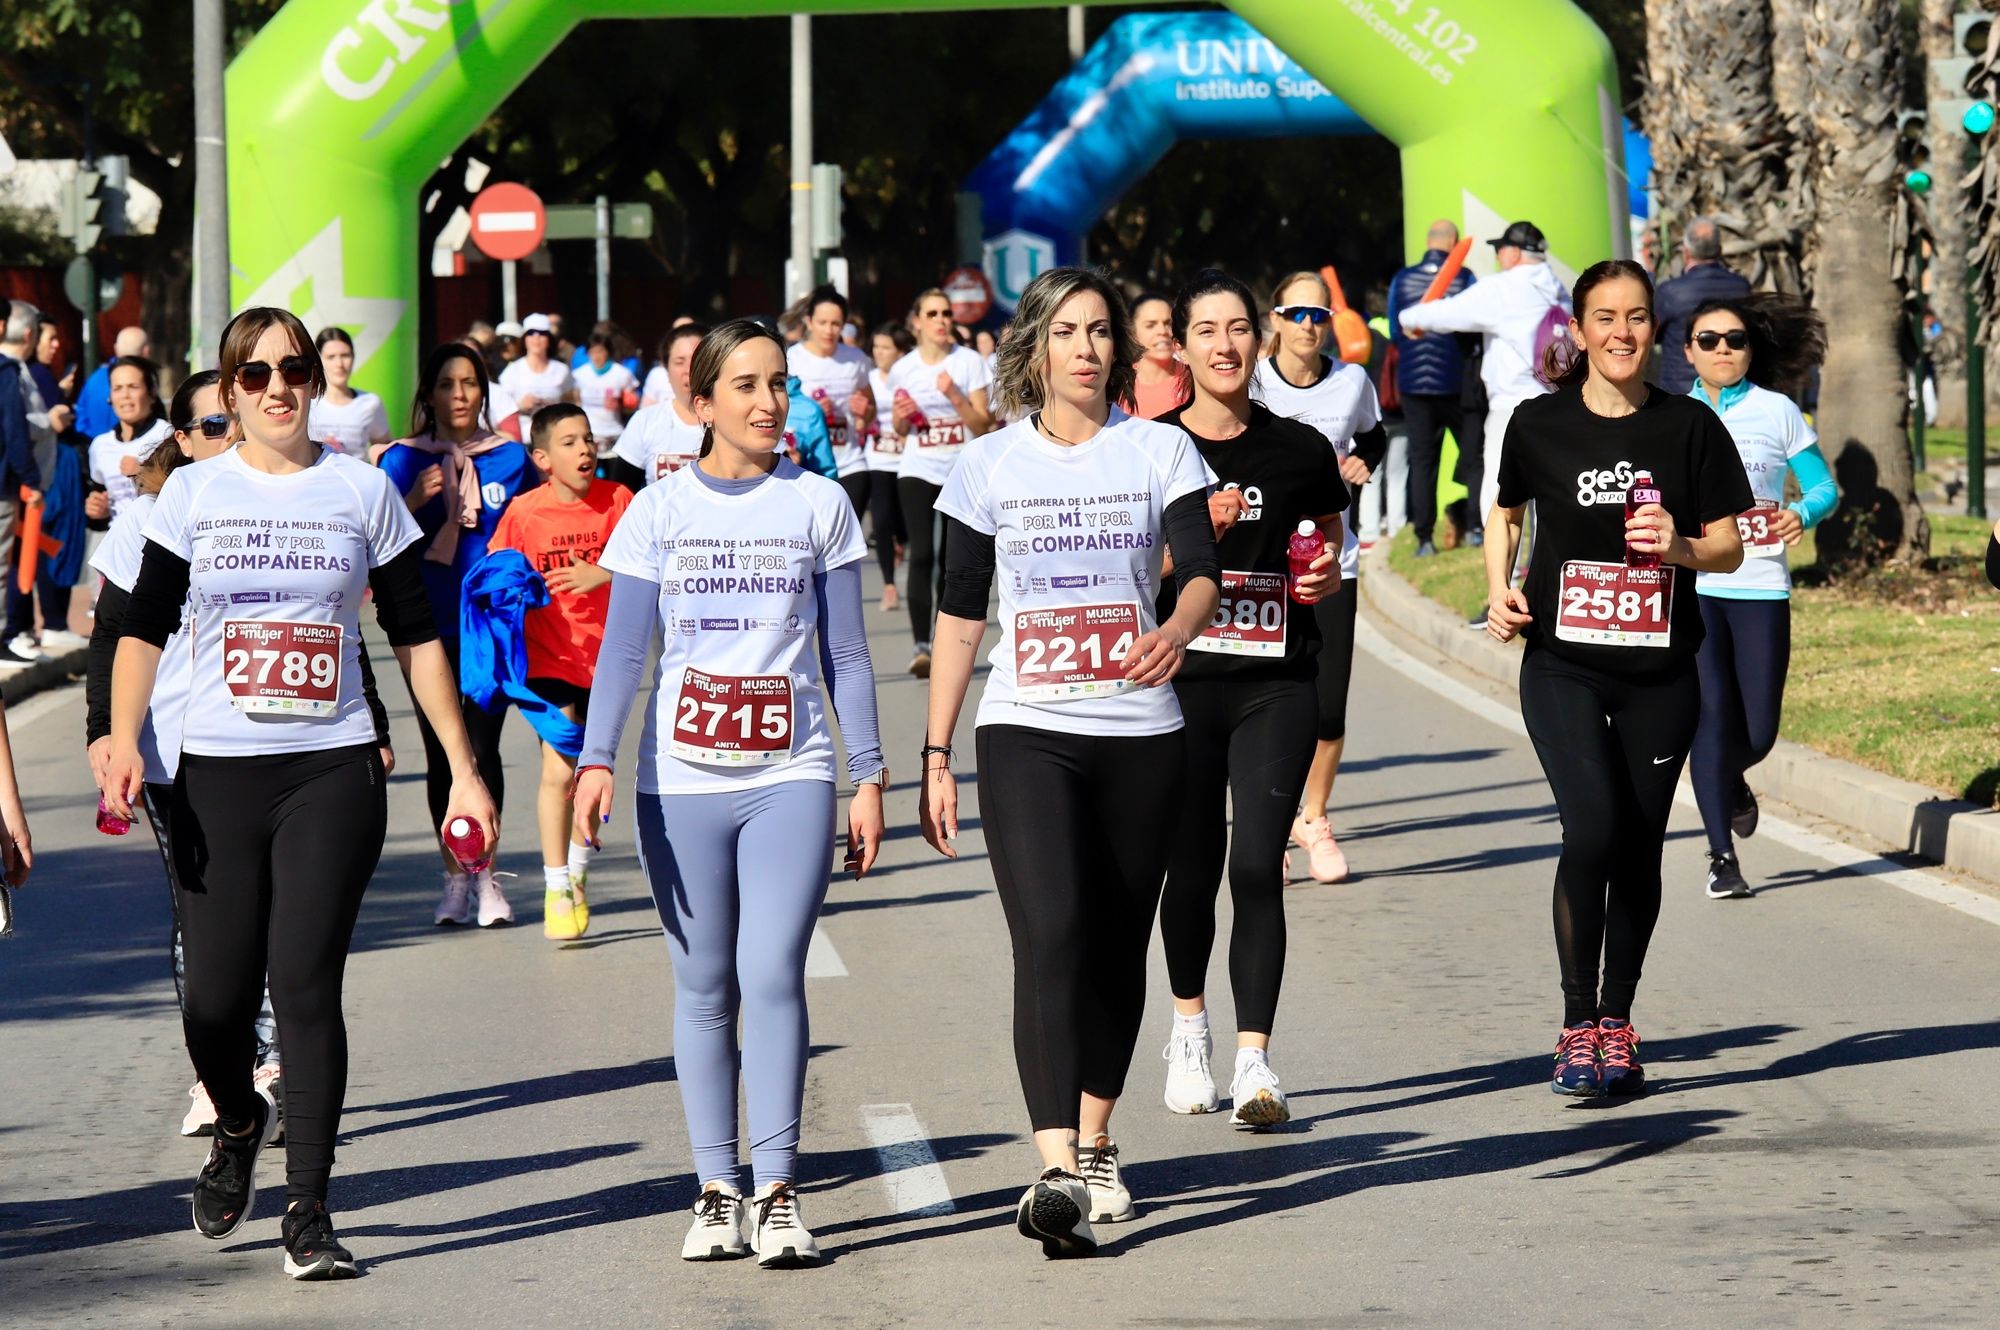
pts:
pixel 482 727
pixel 885 515
pixel 919 501
pixel 271 857
pixel 1612 747
pixel 1742 664
pixel 1335 616
pixel 855 485
pixel 1251 742
pixel 1072 823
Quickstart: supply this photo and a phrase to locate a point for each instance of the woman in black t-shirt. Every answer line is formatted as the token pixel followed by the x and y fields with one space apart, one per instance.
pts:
pixel 1247 697
pixel 1608 686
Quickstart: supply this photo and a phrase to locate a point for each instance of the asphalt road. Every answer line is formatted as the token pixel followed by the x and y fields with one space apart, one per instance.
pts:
pixel 1818 1147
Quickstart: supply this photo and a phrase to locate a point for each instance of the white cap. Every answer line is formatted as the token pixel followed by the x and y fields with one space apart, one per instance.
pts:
pixel 509 328
pixel 1307 527
pixel 536 323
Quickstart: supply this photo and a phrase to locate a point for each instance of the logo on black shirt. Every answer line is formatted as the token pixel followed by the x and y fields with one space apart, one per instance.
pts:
pixel 1252 495
pixel 1595 487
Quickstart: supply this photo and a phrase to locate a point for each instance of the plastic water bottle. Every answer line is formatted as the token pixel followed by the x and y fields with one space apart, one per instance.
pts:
pixel 1306 545
pixel 467 844
pixel 109 822
pixel 1642 491
pixel 918 421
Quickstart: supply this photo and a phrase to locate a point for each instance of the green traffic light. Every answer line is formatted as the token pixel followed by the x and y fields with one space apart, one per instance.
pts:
pixel 1918 182
pixel 1978 118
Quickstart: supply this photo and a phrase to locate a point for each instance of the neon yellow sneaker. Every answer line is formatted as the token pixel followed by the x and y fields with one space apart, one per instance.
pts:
pixel 562 918
pixel 577 882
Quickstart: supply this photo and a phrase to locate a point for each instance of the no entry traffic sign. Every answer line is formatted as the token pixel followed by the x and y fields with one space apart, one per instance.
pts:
pixel 508 221
pixel 970 294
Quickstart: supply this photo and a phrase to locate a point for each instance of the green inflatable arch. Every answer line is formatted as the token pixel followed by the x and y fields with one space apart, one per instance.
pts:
pixel 339 110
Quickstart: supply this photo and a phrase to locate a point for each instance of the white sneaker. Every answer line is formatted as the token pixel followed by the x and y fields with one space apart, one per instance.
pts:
pixel 779 1236
pixel 1259 1102
pixel 24 645
pixel 721 1230
pixel 1056 1213
pixel 1110 1199
pixel 493 906
pixel 455 906
pixel 62 640
pixel 1190 1083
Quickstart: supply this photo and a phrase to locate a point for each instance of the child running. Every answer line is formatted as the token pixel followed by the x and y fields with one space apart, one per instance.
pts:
pixel 561 528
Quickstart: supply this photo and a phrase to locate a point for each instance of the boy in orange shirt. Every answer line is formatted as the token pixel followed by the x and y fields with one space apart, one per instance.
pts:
pixel 561 528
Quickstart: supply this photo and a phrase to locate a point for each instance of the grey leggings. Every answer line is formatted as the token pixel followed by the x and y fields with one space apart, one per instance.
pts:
pixel 738 878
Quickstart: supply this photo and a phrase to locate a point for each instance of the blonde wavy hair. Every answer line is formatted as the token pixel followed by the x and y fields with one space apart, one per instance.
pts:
pixel 1021 364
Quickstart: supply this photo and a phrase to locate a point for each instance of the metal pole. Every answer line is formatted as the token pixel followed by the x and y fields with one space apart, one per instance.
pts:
pixel 90 311
pixel 1917 325
pixel 802 158
pixel 603 258
pixel 1975 401
pixel 211 182
pixel 510 301
pixel 1075 32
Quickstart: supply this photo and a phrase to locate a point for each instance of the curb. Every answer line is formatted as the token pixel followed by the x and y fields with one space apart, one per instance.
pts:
pixel 49 672
pixel 1920 820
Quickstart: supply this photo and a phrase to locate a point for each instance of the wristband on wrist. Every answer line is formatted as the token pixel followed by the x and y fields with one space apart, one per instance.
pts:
pixel 577 775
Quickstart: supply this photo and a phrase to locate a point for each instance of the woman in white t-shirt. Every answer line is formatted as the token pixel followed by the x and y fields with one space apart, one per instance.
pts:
pixel 748 570
pixel 537 379
pixel 142 425
pixel 279 808
pixel 663 436
pixel 341 418
pixel 1070 510
pixel 835 375
pixel 605 389
pixel 938 405
pixel 1300 381
pixel 883 448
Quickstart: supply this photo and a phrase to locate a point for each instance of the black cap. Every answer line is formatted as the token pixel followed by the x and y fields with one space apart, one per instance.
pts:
pixel 1524 236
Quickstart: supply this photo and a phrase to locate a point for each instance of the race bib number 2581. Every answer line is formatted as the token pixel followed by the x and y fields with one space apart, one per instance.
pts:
pixel 1610 604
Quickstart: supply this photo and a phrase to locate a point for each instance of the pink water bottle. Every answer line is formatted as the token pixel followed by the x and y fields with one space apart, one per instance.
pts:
pixel 918 421
pixel 1642 491
pixel 1306 545
pixel 109 822
pixel 467 844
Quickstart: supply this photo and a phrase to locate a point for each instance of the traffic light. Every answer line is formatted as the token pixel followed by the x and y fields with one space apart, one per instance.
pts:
pixel 1913 151
pixel 82 199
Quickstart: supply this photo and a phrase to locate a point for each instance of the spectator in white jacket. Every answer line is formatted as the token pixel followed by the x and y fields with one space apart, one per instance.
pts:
pixel 1508 310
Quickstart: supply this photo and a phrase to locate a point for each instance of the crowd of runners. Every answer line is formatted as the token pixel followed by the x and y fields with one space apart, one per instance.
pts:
pixel 1163 495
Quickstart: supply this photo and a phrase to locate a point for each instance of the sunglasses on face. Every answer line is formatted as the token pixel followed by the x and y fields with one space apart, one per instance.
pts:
pixel 213 427
pixel 1736 339
pixel 255 376
pixel 1304 314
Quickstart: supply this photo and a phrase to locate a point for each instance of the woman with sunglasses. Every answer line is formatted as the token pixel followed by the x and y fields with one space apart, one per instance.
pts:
pixel 278 810
pixel 1299 381
pixel 1609 692
pixel 1248 697
pixel 343 419
pixel 457 477
pixel 938 404
pixel 142 425
pixel 1741 349
pixel 890 343
pixel 1070 510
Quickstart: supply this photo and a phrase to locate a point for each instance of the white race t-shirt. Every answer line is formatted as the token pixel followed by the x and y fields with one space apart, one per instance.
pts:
pixel 277 568
pixel 1769 432
pixel 500 406
pixel 601 394
pixel 884 448
pixel 551 385
pixel 739 663
pixel 1340 406
pixel 929 454
pixel 118 557
pixel 108 453
pixel 1074 528
pixel 838 377
pixel 658 441
pixel 658 386
pixel 350 428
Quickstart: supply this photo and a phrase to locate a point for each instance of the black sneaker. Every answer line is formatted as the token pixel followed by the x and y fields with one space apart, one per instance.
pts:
pixel 1725 879
pixel 1425 549
pixel 226 1187
pixel 311 1250
pixel 1743 817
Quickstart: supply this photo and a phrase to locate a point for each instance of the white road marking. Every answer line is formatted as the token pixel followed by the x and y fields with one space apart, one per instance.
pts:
pixel 41 704
pixel 910 1171
pixel 1857 861
pixel 822 961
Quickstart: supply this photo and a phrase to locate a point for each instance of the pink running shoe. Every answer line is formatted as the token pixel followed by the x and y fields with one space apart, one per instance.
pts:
pixel 269 1078
pixel 493 906
pixel 1328 864
pixel 200 1119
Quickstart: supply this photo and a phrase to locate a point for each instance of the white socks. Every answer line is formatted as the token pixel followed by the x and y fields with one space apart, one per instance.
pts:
pixel 1245 1056
pixel 579 860
pixel 1195 1024
pixel 555 879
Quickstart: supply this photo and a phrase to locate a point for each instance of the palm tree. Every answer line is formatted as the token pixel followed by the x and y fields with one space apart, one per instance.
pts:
pixel 1854 67
pixel 1947 219
pixel 1721 147
pixel 1791 91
